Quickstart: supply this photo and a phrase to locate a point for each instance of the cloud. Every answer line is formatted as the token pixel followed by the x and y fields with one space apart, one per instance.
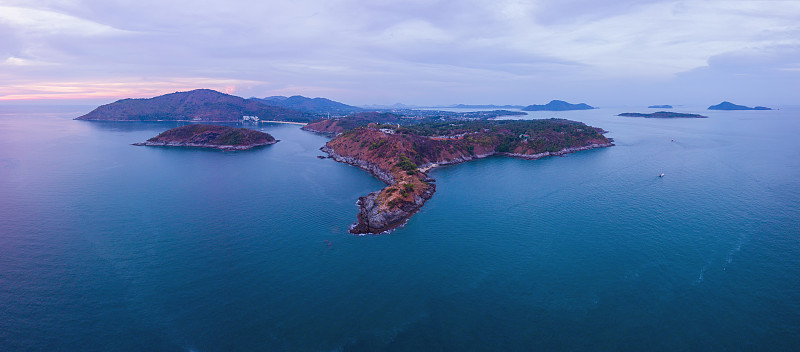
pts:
pixel 394 49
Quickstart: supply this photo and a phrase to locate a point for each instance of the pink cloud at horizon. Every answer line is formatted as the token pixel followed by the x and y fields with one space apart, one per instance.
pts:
pixel 74 90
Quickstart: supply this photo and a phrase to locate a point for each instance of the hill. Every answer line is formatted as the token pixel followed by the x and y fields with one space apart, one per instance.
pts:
pixel 316 105
pixel 197 105
pixel 349 122
pixel 558 105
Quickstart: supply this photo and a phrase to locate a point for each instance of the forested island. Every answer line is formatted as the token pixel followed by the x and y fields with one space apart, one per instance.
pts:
pixel 400 156
pixel 211 136
pixel 726 105
pixel 663 115
pixel 558 105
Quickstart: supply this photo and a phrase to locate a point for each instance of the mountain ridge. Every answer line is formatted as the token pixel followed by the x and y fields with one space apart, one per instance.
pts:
pixel 204 105
pixel 312 105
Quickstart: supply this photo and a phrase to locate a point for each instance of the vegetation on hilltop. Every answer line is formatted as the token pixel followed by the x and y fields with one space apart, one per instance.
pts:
pixel 211 136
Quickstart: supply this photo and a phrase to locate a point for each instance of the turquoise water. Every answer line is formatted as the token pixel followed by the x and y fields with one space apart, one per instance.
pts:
pixel 107 246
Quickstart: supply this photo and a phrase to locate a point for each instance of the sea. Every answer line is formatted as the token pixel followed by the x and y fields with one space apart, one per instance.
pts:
pixel 106 246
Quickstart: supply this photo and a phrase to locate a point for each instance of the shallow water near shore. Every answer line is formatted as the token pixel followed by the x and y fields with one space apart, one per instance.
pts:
pixel 109 246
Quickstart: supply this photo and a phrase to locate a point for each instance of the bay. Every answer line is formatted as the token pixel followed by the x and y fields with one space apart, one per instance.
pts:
pixel 108 246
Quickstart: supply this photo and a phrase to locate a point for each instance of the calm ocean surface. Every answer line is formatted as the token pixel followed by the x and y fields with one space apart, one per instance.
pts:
pixel 106 246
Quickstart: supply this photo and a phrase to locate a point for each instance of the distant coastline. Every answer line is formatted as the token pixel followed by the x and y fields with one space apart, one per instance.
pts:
pixel 287 122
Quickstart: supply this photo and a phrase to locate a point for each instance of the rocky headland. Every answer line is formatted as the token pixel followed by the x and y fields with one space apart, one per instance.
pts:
pixel 401 156
pixel 663 115
pixel 210 136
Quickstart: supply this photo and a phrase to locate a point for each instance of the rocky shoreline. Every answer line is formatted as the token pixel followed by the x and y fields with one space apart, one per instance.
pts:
pixel 210 136
pixel 371 218
pixel 427 167
pixel 375 219
pixel 197 145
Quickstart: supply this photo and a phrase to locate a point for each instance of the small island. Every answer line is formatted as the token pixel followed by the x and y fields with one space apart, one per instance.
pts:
pixel 211 136
pixel 401 156
pixel 660 107
pixel 663 115
pixel 725 105
pixel 558 105
pixel 312 105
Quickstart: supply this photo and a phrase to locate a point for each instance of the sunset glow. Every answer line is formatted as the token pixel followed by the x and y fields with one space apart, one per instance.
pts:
pixel 361 53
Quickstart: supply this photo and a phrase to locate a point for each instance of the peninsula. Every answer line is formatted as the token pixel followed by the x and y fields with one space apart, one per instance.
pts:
pixel 211 136
pixel 558 105
pixel 400 156
pixel 201 105
pixel 663 115
pixel 725 105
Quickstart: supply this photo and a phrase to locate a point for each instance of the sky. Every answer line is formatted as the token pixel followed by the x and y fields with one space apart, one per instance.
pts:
pixel 423 52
